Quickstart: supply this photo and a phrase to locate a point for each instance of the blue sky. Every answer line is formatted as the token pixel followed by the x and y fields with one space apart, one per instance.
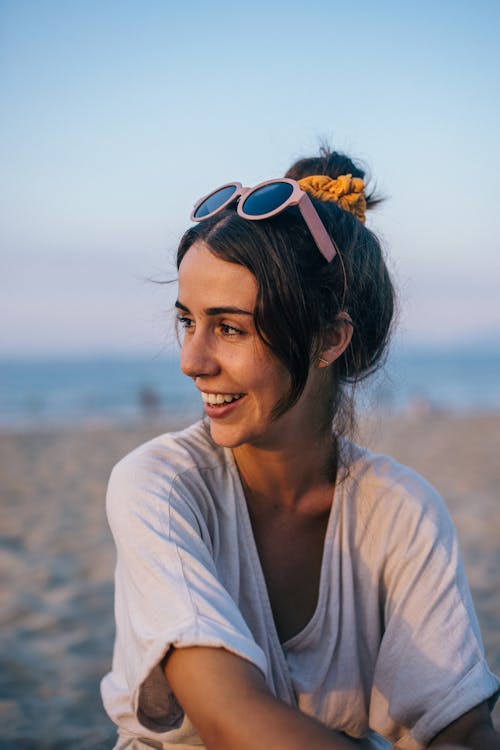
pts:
pixel 116 116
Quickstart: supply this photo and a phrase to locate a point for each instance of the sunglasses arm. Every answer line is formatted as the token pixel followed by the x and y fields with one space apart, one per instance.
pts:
pixel 322 238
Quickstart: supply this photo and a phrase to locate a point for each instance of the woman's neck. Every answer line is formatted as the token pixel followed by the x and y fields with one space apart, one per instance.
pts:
pixel 296 472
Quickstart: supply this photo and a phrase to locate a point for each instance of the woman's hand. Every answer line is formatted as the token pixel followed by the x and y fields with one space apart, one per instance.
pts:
pixel 230 705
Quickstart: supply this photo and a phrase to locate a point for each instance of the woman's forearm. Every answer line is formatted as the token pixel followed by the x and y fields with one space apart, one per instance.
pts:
pixel 229 704
pixel 264 722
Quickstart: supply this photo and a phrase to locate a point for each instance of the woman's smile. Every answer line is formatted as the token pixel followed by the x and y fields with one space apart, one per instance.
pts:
pixel 220 406
pixel 218 399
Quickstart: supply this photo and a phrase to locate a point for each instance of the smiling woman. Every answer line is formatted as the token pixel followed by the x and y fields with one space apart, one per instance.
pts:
pixel 277 586
pixel 239 378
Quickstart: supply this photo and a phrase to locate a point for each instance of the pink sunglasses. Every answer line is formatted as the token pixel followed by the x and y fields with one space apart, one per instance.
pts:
pixel 265 200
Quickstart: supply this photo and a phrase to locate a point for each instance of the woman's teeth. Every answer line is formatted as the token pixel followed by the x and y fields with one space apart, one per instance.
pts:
pixel 219 398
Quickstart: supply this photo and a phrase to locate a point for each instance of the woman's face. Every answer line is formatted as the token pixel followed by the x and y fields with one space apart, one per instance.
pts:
pixel 239 378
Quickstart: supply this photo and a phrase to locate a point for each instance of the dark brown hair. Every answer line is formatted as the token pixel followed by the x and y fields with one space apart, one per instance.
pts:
pixel 300 295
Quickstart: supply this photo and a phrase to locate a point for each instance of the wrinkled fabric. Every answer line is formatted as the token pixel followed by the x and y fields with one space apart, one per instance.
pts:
pixel 393 648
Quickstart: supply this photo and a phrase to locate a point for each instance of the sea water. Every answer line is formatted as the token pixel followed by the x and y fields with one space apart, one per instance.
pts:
pixel 93 390
pixel 128 389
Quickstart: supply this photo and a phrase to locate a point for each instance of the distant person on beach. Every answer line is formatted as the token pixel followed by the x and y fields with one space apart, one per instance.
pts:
pixel 277 586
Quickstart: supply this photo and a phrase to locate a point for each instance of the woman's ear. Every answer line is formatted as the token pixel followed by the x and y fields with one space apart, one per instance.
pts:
pixel 337 340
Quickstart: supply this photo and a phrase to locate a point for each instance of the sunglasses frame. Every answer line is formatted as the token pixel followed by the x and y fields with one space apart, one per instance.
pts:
pixel 298 197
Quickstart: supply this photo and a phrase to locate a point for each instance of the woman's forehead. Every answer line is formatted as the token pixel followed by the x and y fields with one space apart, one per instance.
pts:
pixel 209 281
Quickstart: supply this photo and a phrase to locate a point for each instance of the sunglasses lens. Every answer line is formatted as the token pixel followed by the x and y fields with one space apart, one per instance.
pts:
pixel 214 201
pixel 267 199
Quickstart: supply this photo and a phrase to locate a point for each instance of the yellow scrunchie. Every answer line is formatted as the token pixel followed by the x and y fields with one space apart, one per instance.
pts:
pixel 346 190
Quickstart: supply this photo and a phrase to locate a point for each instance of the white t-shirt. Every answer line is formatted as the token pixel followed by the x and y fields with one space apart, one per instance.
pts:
pixel 393 649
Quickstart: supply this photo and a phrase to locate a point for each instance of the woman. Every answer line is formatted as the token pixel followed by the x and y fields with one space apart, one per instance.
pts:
pixel 277 586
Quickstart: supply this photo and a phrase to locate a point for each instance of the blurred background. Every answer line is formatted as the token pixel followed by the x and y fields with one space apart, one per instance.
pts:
pixel 115 116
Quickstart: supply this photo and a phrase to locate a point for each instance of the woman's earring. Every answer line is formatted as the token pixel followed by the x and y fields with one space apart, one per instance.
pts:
pixel 325 361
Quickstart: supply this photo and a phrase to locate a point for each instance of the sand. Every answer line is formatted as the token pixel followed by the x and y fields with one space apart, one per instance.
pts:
pixel 56 559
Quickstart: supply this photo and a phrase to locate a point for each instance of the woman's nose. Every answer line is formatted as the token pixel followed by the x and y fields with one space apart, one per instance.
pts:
pixel 198 356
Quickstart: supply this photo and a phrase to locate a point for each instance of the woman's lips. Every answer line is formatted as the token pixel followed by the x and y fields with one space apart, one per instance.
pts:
pixel 218 399
pixel 223 408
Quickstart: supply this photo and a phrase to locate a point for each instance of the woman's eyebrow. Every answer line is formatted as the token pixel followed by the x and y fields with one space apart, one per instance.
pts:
pixel 216 310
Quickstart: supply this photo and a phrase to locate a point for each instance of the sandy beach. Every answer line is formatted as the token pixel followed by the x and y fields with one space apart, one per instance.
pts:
pixel 57 558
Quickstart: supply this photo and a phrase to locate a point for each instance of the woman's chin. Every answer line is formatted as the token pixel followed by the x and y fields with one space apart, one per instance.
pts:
pixel 225 437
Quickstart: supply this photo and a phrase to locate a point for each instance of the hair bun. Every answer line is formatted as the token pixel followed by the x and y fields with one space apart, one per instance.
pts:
pixel 334 165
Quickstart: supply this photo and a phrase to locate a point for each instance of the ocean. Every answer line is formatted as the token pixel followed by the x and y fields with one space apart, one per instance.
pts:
pixel 121 390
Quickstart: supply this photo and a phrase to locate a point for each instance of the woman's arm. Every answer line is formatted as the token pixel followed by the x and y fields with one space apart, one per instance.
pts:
pixel 228 702
pixel 473 730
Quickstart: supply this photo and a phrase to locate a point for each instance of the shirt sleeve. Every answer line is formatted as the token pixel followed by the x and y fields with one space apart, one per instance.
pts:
pixel 431 667
pixel 167 591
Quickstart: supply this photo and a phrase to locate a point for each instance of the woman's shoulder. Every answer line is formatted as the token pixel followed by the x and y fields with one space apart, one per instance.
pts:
pixel 172 453
pixel 383 487
pixel 392 513
pixel 172 467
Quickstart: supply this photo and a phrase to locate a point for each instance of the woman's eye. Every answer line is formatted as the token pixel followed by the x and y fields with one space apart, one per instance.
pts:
pixel 184 322
pixel 228 330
